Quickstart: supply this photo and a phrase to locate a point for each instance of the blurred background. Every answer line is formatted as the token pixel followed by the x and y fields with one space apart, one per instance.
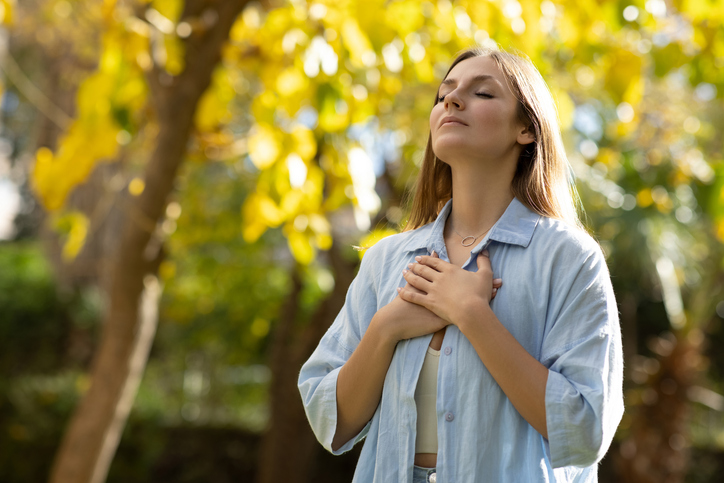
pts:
pixel 182 184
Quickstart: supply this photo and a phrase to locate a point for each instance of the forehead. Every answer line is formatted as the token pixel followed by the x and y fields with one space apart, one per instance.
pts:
pixel 479 69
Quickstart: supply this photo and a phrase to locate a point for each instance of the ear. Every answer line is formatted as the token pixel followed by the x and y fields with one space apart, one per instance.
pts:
pixel 526 135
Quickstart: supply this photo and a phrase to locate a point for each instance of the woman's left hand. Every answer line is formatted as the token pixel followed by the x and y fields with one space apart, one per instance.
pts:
pixel 448 290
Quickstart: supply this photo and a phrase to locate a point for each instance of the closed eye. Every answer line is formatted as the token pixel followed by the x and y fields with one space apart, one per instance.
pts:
pixel 480 94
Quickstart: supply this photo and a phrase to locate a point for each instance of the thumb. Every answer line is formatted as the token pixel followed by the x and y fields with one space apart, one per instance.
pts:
pixel 483 259
pixel 435 255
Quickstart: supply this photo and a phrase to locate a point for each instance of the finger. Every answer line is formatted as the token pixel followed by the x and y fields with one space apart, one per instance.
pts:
pixel 497 283
pixel 483 260
pixel 495 291
pixel 416 280
pixel 424 271
pixel 433 262
pixel 412 296
pixel 410 288
pixel 435 255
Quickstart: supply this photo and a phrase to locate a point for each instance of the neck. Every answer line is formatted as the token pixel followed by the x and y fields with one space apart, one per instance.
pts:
pixel 480 196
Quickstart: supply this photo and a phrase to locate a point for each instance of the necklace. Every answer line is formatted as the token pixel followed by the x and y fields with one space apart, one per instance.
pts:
pixel 473 238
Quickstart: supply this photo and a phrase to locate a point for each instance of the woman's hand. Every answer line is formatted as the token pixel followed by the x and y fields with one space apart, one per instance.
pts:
pixel 404 320
pixel 446 289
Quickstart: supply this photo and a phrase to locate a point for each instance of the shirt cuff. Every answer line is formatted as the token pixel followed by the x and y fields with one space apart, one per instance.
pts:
pixel 328 391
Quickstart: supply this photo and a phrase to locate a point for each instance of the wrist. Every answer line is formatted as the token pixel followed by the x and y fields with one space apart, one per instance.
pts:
pixel 382 331
pixel 473 313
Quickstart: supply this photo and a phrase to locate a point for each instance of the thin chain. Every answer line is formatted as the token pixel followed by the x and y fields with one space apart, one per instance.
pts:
pixel 462 242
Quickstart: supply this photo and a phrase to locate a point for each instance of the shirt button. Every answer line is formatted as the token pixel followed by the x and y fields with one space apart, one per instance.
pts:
pixel 449 416
pixel 448 350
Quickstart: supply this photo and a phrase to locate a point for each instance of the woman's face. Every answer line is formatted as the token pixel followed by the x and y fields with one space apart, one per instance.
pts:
pixel 476 115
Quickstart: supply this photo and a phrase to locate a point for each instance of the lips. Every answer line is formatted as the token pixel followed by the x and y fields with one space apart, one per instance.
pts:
pixel 453 120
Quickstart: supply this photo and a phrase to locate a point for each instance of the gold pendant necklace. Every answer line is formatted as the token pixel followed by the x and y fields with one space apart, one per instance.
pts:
pixel 473 238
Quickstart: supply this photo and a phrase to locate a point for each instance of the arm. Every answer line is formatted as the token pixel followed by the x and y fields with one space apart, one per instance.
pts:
pixel 360 381
pixel 341 383
pixel 573 397
pixel 521 377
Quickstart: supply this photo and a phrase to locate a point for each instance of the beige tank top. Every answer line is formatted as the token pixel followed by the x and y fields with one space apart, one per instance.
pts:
pixel 425 401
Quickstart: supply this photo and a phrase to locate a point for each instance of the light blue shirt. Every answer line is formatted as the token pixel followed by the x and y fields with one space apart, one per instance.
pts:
pixel 556 300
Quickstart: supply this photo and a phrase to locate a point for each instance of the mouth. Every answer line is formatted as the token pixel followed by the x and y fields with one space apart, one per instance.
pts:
pixel 452 121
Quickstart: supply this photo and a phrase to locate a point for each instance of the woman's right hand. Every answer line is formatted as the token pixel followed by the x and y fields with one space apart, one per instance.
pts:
pixel 401 320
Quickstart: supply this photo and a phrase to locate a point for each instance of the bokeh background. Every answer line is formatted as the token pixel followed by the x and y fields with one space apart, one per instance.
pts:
pixel 182 184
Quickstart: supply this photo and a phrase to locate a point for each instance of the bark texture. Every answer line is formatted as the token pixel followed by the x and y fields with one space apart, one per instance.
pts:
pixel 95 427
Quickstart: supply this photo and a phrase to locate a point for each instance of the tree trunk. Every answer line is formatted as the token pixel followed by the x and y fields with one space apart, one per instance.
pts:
pixel 90 441
pixel 288 446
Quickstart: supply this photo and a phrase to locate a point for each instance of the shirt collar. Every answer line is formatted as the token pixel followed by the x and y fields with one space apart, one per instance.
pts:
pixel 515 226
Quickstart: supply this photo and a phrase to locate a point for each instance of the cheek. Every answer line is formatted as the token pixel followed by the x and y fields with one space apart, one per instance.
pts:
pixel 434 120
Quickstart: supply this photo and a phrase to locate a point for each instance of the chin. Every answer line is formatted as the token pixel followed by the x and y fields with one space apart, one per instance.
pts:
pixel 447 152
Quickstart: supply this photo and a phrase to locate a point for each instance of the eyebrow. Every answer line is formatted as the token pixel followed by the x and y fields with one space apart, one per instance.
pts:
pixel 477 78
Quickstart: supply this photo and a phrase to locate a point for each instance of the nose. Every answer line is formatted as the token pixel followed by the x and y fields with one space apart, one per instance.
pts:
pixel 454 99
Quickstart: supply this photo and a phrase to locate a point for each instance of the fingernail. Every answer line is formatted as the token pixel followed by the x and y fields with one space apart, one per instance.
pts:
pixel 404 272
pixel 398 289
pixel 418 258
pixel 486 253
pixel 498 280
pixel 433 253
pixel 409 265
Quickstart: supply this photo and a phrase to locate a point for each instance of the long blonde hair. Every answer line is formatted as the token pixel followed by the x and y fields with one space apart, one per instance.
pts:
pixel 543 178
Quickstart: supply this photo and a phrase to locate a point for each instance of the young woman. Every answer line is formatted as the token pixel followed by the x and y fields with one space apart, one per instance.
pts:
pixel 482 344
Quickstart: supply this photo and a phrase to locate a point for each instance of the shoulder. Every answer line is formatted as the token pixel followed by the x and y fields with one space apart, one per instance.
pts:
pixel 558 236
pixel 568 253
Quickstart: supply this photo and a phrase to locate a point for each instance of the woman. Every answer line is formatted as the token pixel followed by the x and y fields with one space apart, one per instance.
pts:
pixel 449 374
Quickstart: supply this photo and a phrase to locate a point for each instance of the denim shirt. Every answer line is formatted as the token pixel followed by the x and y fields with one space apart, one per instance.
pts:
pixel 556 300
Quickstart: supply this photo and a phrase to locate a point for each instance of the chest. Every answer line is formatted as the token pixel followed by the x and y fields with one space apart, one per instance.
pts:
pixel 457 253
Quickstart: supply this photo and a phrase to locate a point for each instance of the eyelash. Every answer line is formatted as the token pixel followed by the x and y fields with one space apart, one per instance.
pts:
pixel 481 94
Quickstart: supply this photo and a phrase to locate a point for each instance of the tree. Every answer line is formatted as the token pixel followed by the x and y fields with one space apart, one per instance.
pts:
pixel 130 319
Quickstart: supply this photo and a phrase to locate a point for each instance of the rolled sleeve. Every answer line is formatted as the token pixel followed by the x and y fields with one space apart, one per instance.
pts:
pixel 321 409
pixel 317 381
pixel 583 352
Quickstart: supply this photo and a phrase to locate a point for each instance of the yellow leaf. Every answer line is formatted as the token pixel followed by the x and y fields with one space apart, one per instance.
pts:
pixel 300 247
pixel 55 176
pixel 644 198
pixel 167 270
pixel 264 208
pixel 252 230
pixel 136 186
pixel 260 327
pixel 623 77
pixel 171 9
pixel 75 225
pixel 356 42
pixel 405 16
pixel 174 54
pixel 264 146
pixel 291 202
pixel 565 106
pixel 304 143
pixel 6 11
pixel 213 108
pixel 291 81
